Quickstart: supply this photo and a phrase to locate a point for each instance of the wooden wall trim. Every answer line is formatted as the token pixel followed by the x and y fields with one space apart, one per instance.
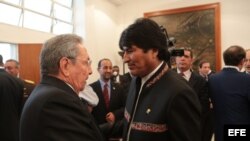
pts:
pixel 29 61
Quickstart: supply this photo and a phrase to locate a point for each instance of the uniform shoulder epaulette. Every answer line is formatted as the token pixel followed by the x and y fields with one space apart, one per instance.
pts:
pixel 29 81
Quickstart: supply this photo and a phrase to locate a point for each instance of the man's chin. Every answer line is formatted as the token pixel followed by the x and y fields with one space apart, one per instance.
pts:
pixel 134 73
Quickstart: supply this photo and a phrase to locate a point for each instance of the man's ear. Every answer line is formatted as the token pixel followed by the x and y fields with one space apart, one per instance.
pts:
pixel 98 69
pixel 64 65
pixel 155 52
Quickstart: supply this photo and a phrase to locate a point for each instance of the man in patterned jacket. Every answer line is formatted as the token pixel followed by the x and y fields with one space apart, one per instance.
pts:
pixel 160 104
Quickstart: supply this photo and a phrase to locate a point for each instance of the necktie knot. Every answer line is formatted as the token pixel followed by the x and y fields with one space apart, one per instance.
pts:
pixel 106 85
pixel 182 74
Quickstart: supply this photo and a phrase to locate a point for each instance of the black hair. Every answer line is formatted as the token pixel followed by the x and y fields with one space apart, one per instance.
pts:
pixel 203 62
pixel 99 63
pixel 145 34
pixel 234 55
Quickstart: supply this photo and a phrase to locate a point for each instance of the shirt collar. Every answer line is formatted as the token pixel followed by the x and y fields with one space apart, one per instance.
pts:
pixel 234 67
pixel 187 73
pixel 72 88
pixel 145 78
pixel 103 83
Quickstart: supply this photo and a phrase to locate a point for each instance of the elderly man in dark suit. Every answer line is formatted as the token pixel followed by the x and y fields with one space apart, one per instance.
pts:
pixel 111 106
pixel 199 84
pixel 54 110
pixel 11 94
pixel 230 91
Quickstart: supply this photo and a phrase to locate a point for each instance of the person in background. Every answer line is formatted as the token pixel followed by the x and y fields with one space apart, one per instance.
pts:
pixel 125 81
pixel 247 62
pixel 111 97
pixel 205 69
pixel 11 94
pixel 230 92
pixel 116 77
pixel 54 110
pixel 1 62
pixel 199 85
pixel 161 106
pixel 12 67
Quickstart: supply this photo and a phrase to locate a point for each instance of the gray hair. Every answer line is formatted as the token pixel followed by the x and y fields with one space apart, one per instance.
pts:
pixel 54 49
pixel 15 61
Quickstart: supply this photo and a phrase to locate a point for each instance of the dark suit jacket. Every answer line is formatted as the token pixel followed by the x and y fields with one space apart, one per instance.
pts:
pixel 113 78
pixel 199 85
pixel 117 102
pixel 211 73
pixel 126 78
pixel 11 92
pixel 55 112
pixel 125 81
pixel 230 93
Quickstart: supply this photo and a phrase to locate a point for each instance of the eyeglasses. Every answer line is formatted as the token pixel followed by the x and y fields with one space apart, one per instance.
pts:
pixel 88 62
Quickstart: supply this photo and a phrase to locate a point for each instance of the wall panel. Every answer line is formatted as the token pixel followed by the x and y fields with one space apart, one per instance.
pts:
pixel 29 61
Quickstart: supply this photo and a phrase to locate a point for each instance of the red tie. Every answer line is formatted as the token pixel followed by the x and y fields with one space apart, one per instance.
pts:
pixel 106 95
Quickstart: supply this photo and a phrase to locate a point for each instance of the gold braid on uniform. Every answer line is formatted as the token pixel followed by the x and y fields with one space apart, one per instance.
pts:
pixel 157 77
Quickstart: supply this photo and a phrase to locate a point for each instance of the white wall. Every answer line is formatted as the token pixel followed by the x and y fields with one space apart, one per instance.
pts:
pixel 13 34
pixel 101 33
pixel 104 22
pixel 235 19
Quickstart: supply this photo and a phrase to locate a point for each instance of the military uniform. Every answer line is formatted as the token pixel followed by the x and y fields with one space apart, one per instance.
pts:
pixel 28 87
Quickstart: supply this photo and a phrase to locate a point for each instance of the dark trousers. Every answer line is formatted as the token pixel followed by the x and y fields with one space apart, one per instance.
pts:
pixel 207 126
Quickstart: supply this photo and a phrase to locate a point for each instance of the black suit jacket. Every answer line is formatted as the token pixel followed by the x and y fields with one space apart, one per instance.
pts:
pixel 11 92
pixel 117 102
pixel 114 78
pixel 230 93
pixel 54 112
pixel 199 85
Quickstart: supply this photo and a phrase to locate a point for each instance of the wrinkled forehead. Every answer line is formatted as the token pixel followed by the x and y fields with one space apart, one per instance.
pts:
pixel 10 64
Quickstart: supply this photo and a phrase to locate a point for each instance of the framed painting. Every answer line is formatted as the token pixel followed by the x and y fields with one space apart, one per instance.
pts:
pixel 197 27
